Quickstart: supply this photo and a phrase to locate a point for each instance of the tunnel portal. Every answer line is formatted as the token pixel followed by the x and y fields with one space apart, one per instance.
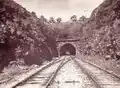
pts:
pixel 67 49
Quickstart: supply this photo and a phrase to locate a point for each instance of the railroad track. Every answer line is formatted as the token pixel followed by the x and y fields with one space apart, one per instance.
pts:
pixel 87 73
pixel 101 77
pixel 75 74
pixel 55 74
pixel 42 78
pixel 71 77
pixel 102 69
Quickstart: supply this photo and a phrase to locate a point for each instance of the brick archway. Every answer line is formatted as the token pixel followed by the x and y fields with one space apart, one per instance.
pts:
pixel 67 49
pixel 62 44
pixel 74 44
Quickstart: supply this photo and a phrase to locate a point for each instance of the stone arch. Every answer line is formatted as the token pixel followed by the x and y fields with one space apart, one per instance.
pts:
pixel 67 48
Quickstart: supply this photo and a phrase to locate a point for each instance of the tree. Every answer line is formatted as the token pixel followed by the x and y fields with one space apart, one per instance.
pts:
pixel 34 14
pixel 52 20
pixel 43 19
pixel 82 18
pixel 59 20
pixel 73 18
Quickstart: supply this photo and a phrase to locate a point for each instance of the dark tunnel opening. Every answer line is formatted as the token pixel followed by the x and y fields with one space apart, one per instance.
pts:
pixel 67 49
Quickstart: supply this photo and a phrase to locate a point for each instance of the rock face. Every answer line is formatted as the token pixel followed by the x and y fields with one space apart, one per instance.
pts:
pixel 106 13
pixel 21 35
pixel 104 23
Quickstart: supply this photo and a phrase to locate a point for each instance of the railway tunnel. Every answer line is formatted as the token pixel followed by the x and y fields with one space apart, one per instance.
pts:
pixel 67 49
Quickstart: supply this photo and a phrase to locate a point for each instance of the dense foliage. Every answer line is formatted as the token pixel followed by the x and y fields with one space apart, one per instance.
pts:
pixel 104 22
pixel 23 35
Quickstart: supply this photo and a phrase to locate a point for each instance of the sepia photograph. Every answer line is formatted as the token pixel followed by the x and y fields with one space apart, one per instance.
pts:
pixel 59 43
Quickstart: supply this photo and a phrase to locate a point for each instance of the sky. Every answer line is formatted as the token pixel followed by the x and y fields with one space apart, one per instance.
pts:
pixel 60 8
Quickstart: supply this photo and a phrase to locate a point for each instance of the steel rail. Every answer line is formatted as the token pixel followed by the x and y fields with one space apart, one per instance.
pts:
pixel 50 81
pixel 87 73
pixel 56 61
pixel 102 69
